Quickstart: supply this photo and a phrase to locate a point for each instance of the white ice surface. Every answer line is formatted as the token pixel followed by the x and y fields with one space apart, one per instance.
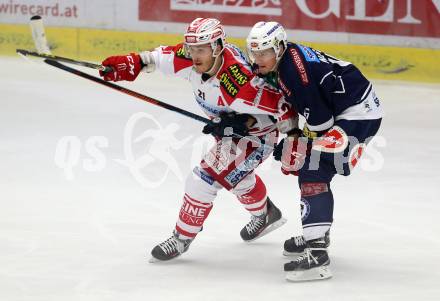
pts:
pixel 88 238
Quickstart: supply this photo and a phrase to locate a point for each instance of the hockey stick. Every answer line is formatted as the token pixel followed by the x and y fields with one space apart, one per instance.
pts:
pixel 148 99
pixel 43 51
pixel 104 69
pixel 128 91
pixel 253 139
pixel 39 37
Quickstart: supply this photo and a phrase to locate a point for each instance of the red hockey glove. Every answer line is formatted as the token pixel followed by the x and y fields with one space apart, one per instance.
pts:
pixel 126 67
pixel 291 151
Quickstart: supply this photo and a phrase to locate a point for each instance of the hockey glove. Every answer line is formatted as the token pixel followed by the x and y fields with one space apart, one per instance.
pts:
pixel 228 124
pixel 125 67
pixel 291 151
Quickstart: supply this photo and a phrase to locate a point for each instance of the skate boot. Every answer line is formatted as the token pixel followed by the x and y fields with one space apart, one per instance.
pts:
pixel 295 246
pixel 170 248
pixel 312 265
pixel 263 224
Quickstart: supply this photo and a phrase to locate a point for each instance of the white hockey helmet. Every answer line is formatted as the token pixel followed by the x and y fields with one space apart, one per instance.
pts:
pixel 266 35
pixel 206 30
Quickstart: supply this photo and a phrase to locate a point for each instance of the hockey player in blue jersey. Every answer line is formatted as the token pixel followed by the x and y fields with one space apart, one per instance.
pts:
pixel 342 113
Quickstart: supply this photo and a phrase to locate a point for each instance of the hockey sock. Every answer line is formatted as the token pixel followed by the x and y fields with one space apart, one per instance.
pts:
pixel 316 209
pixel 192 215
pixel 255 200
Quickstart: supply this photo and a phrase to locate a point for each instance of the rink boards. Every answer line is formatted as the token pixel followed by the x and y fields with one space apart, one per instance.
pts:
pixel 378 62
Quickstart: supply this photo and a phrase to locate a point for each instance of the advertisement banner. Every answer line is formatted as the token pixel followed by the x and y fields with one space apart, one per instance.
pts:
pixel 70 13
pixel 412 18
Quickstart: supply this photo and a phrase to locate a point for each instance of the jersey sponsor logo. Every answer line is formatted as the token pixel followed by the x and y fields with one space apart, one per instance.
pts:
pixel 284 87
pixel 227 83
pixel 238 75
pixel 299 66
pixel 309 54
pixel 180 53
pixel 247 166
pixel 235 176
pixel 204 176
pixel 211 109
pixel 193 215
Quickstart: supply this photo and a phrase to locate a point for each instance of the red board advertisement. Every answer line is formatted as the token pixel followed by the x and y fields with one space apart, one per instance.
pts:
pixel 414 18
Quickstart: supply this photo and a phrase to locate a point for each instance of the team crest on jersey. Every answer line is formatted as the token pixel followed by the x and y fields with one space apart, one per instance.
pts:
pixel 228 84
pixel 239 77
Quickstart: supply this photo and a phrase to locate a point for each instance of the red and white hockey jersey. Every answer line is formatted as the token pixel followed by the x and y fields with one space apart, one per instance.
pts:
pixel 234 88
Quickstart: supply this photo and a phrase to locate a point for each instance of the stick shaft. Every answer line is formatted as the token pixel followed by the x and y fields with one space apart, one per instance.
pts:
pixel 128 91
pixel 64 60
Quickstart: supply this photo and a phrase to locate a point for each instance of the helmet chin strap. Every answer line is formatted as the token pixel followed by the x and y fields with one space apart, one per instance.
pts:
pixel 213 69
pixel 279 56
pixel 275 67
pixel 218 58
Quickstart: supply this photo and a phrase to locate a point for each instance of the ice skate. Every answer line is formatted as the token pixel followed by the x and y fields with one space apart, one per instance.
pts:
pixel 312 265
pixel 170 248
pixel 264 224
pixel 295 246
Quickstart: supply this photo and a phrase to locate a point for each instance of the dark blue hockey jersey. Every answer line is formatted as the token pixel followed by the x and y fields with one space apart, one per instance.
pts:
pixel 324 89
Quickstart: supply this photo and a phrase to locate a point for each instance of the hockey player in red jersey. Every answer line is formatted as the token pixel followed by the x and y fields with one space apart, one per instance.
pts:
pixel 241 103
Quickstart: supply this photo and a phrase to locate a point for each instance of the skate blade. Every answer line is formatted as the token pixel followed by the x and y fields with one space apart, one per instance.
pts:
pixel 270 228
pixel 292 254
pixel 154 260
pixel 318 273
